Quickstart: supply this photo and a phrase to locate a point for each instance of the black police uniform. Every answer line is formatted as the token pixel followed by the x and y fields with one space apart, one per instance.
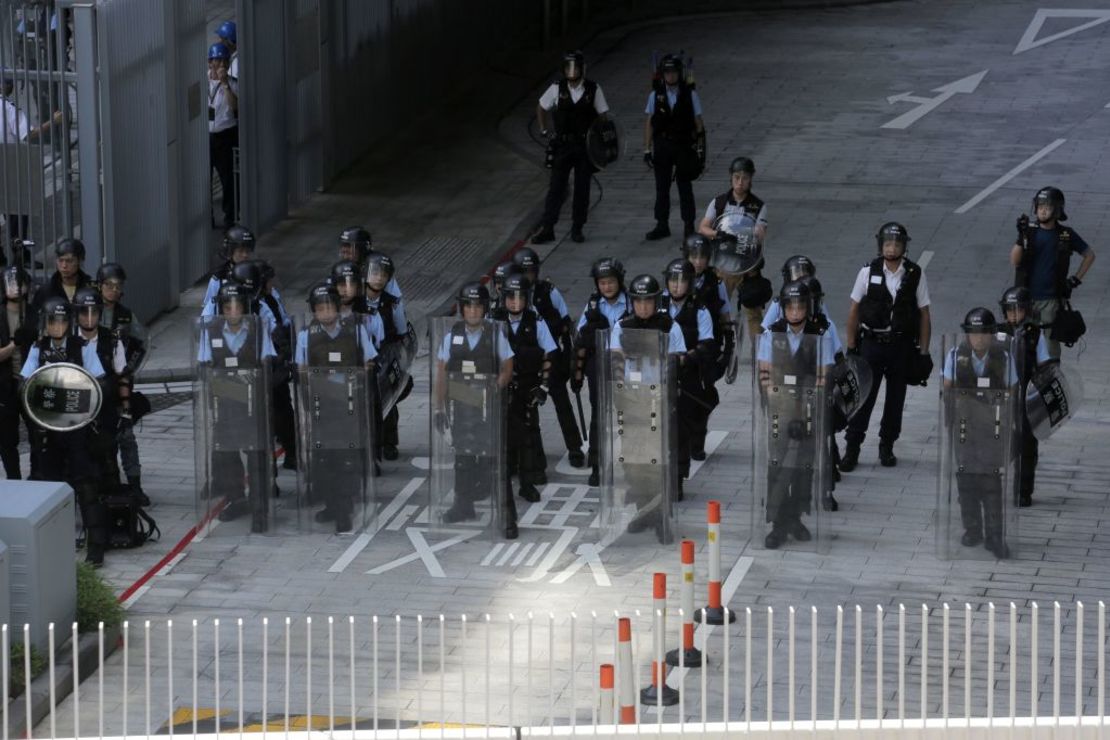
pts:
pixel 475 460
pixel 1027 334
pixel 673 131
pixel 285 420
pixel 388 429
pixel 68 456
pixel 342 471
pixel 889 329
pixel 560 328
pixel 572 122
pixel 587 339
pixel 10 407
pixel 526 456
pixel 789 487
pixel 695 401
pixel 980 488
pixel 103 439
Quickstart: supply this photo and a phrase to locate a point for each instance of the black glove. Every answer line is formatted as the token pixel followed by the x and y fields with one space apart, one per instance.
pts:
pixel 125 419
pixel 649 160
pixel 1022 225
pixel 923 368
pixel 1074 282
pixel 439 419
pixel 854 350
pixel 576 383
pixel 796 429
pixel 538 396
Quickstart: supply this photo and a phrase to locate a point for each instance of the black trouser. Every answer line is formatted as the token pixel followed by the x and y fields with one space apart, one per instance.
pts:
pixel 593 387
pixel 104 449
pixel 703 399
pixel 525 441
pixel 1030 452
pixel 388 429
pixel 889 361
pixel 65 456
pixel 227 480
pixel 338 480
pixel 788 494
pixel 570 155
pixel 475 478
pixel 666 155
pixel 560 399
pixel 9 430
pixel 981 504
pixel 285 425
pixel 691 405
pixel 221 155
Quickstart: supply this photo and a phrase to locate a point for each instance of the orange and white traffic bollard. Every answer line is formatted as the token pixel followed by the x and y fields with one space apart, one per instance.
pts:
pixel 715 612
pixel 605 711
pixel 691 656
pixel 659 692
pixel 627 675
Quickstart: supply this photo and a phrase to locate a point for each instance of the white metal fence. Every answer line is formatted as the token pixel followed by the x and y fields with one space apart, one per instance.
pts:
pixel 844 672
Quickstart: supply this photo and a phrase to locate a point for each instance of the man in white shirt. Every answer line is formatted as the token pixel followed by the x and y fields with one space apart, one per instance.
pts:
pixel 223 125
pixel 888 324
pixel 574 102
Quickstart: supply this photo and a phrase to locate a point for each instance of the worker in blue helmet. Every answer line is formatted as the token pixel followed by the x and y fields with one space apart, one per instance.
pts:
pixel 228 36
pixel 223 125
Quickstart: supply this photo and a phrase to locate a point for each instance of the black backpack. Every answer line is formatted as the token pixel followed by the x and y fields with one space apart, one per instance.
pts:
pixel 128 525
pixel 1068 326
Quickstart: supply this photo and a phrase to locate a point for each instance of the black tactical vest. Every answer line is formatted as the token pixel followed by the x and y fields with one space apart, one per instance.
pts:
pixel 686 318
pixel 573 119
pixel 339 351
pixel 246 359
pixel 1062 249
pixel 673 123
pixel 527 353
pixel 965 375
pixel 660 321
pixel 900 314
pixel 480 360
pixel 70 352
pixel 541 299
pixel 784 362
pixel 386 304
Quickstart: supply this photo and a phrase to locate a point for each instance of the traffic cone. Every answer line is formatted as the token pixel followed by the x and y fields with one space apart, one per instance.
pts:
pixel 691 656
pixel 715 613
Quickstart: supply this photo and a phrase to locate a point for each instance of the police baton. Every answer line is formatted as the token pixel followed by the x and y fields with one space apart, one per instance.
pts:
pixel 582 416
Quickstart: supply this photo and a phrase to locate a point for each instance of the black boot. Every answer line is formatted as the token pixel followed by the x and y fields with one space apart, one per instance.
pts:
pixel 661 231
pixel 576 234
pixel 544 236
pixel 850 459
pixel 137 490
pixel 886 455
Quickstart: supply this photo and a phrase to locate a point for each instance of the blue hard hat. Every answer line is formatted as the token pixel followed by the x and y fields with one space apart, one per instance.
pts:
pixel 226 31
pixel 218 51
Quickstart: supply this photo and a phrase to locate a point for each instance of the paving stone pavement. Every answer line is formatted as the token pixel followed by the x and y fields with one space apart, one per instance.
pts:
pixel 805 95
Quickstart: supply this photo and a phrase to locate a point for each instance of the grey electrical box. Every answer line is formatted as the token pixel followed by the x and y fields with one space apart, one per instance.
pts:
pixel 5 584
pixel 37 525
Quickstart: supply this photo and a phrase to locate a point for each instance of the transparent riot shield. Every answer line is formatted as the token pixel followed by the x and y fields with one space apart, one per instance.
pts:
pixel 1053 397
pixel 732 367
pixel 467 482
pixel 790 429
pixel 851 380
pixel 233 431
pixel 637 432
pixel 979 418
pixel 605 142
pixel 394 366
pixel 336 445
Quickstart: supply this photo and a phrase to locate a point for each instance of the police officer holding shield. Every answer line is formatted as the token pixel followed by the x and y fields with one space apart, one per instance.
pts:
pixel 399 341
pixel 19 329
pixel 66 456
pixel 574 102
pixel 888 324
pixel 671 133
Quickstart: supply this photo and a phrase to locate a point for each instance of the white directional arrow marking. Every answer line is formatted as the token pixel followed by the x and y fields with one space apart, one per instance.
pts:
pixel 1029 39
pixel 927 105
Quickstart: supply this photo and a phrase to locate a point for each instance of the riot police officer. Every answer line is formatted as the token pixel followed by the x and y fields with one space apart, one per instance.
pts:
pixel 65 456
pixel 793 355
pixel 355 245
pixel 1031 351
pixel 474 352
pixel 575 103
pixel 550 305
pixel 888 324
pixel 500 273
pixel 1042 255
pixel 229 343
pixel 398 344
pixel 644 481
pixel 532 346
pixel 236 246
pixel 330 342
pixel 696 395
pixel 710 291
pixel 116 384
pixel 347 279
pixel 671 127
pixel 18 330
pixel 285 425
pixel 605 307
pixel 979 365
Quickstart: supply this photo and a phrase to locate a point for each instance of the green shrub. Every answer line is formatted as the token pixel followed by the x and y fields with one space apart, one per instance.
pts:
pixel 16 680
pixel 95 601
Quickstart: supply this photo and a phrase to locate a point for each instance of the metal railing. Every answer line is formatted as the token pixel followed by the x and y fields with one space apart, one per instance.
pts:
pixel 784 671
